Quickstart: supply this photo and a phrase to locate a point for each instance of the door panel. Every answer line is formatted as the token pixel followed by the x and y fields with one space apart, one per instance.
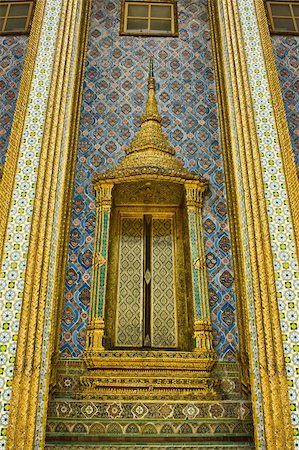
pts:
pixel 130 287
pixel 163 318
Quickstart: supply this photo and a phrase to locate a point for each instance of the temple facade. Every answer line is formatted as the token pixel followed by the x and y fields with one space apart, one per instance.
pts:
pixel 149 224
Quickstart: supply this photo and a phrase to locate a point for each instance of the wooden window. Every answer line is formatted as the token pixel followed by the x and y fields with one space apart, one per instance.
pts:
pixel 156 18
pixel 284 17
pixel 15 17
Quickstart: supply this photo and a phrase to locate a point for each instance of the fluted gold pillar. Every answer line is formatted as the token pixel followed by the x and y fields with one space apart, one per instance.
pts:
pixel 256 156
pixel 96 325
pixel 203 336
pixel 38 171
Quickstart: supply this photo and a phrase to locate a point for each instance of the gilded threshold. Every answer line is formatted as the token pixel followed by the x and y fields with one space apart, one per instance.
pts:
pixel 269 341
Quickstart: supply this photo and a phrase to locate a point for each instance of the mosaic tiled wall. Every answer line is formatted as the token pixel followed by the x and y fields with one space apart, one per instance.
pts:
pixel 113 99
pixel 12 56
pixel 286 50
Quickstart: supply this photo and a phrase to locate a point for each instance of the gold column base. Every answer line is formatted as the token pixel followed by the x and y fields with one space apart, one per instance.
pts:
pixel 203 337
pixel 95 335
pixel 154 374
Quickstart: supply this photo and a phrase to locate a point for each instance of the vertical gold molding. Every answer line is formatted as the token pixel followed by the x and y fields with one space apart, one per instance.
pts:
pixel 13 151
pixel 77 59
pixel 68 191
pixel 290 171
pixel 203 335
pixel 96 324
pixel 277 425
pixel 232 200
pixel 28 364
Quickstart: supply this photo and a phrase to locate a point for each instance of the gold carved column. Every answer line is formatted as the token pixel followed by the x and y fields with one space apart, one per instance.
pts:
pixel 257 147
pixel 95 332
pixel 203 336
pixel 48 97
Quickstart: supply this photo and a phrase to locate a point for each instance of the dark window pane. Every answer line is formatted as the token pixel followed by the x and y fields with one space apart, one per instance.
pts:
pixel 18 10
pixel 1 24
pixel 297 23
pixel 281 10
pixel 283 24
pixel 161 11
pixel 138 11
pixel 161 25
pixel 3 9
pixel 296 11
pixel 16 24
pixel 137 25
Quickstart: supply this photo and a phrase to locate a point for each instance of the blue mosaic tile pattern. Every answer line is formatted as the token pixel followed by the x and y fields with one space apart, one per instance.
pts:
pixel 113 99
pixel 12 57
pixel 286 51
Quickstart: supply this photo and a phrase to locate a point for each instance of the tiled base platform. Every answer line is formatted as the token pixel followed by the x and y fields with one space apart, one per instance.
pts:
pixel 150 447
pixel 213 424
pixel 97 423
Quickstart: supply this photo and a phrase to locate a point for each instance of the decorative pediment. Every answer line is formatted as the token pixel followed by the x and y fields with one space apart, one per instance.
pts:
pixel 150 155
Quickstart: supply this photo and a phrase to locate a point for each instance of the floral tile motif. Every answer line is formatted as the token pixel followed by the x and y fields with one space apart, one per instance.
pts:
pixel 286 51
pixel 113 99
pixel 12 57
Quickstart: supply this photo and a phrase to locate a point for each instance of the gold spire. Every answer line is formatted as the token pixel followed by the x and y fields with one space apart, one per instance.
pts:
pixel 150 153
pixel 150 136
pixel 151 110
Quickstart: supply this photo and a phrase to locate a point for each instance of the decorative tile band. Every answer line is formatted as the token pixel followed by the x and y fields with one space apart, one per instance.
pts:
pixel 16 244
pixel 45 370
pixel 104 252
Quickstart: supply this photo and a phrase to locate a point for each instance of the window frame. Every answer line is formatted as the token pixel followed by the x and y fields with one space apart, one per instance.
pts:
pixel 174 18
pixel 273 30
pixel 29 17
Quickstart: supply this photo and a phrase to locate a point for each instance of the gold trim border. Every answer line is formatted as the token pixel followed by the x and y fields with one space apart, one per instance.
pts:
pixel 232 199
pixel 62 256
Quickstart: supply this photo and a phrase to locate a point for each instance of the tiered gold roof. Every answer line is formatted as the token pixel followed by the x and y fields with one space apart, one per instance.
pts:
pixel 150 153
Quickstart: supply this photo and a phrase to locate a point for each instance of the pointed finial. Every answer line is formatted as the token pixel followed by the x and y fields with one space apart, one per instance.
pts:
pixel 151 67
pixel 151 84
pixel 151 110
